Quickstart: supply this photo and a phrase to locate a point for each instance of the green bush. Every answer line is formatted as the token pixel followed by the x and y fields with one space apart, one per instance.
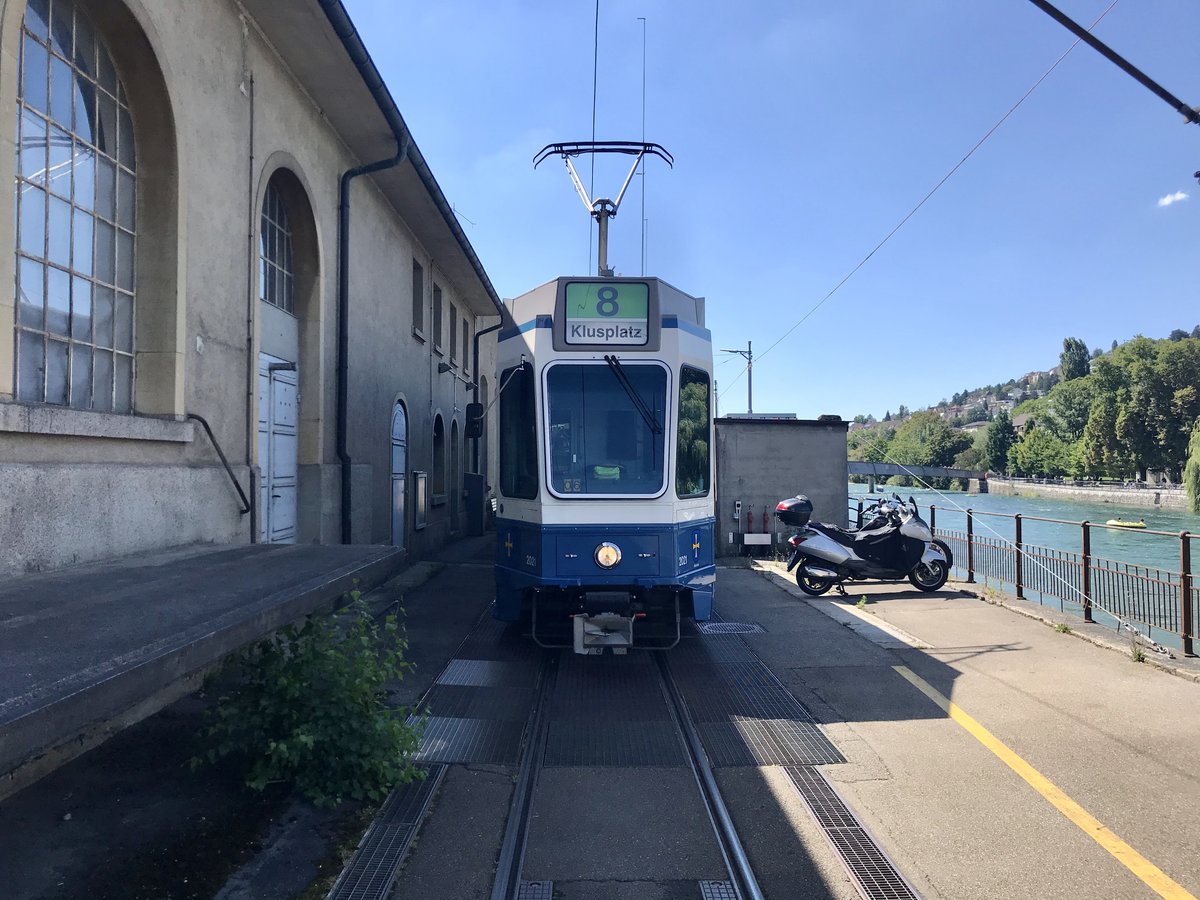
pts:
pixel 309 708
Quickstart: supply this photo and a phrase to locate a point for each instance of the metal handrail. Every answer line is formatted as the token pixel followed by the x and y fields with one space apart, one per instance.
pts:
pixel 245 502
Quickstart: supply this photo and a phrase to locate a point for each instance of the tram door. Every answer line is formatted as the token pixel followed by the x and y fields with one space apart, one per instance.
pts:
pixel 399 467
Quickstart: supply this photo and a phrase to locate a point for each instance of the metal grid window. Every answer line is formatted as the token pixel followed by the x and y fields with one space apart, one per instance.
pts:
pixel 418 297
pixel 437 317
pixel 76 193
pixel 453 333
pixel 275 273
pixel 466 340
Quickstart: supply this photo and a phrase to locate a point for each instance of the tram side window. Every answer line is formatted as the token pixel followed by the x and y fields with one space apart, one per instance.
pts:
pixel 518 434
pixel 692 451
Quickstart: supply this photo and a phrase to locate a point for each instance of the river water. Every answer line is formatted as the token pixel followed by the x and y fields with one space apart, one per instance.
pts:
pixel 1123 545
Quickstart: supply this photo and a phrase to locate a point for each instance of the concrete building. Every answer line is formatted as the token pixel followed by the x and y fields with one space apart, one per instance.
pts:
pixel 218 212
pixel 760 462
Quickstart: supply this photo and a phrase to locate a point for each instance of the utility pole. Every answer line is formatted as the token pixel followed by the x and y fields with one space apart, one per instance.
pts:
pixel 748 355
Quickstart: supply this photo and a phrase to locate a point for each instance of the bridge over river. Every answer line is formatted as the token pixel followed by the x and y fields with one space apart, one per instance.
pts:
pixel 976 480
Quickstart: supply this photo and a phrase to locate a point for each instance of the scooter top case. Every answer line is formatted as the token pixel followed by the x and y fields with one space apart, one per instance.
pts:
pixel 795 512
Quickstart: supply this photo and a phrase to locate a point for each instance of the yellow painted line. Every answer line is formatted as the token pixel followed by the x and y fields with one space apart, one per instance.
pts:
pixel 1151 874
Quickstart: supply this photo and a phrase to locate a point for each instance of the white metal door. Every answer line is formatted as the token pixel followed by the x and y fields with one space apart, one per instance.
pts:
pixel 399 467
pixel 278 418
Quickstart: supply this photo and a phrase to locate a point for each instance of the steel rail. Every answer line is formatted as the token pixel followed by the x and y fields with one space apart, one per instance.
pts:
pixel 507 884
pixel 736 861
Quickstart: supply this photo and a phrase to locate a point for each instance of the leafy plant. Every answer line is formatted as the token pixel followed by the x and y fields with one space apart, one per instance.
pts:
pixel 1062 628
pixel 862 603
pixel 310 708
pixel 1137 654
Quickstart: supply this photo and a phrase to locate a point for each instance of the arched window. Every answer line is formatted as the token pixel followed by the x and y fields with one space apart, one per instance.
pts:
pixel 275 272
pixel 76 189
pixel 439 459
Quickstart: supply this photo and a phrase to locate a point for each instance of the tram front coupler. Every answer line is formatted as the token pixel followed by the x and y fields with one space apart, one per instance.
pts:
pixel 600 620
pixel 593 634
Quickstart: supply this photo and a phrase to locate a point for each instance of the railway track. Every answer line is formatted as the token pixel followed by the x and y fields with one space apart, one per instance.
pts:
pixel 740 881
pixel 631 774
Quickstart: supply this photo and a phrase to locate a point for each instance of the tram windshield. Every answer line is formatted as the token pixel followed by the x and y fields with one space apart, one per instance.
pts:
pixel 601 438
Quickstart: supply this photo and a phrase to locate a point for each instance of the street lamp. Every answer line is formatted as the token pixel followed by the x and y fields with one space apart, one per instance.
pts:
pixel 748 355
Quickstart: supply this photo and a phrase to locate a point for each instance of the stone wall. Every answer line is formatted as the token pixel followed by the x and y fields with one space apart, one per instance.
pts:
pixel 1157 498
pixel 760 462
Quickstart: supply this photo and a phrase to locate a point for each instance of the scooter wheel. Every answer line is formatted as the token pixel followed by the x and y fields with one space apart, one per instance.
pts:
pixel 811 584
pixel 945 548
pixel 930 576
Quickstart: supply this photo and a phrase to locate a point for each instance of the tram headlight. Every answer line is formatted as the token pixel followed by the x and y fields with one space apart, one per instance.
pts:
pixel 608 555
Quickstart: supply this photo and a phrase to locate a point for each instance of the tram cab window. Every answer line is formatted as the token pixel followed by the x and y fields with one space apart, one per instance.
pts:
pixel 518 434
pixel 692 451
pixel 599 441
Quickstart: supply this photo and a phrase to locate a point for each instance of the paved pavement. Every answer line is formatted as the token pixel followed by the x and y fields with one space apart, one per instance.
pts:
pixel 88 650
pixel 1118 740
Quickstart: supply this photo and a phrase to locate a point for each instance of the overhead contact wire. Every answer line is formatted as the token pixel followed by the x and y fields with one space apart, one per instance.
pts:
pixel 983 140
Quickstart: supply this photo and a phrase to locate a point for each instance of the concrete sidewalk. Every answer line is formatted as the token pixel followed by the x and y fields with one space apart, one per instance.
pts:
pixel 89 650
pixel 1114 737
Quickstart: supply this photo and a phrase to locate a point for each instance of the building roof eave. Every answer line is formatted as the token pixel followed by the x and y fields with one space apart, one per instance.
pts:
pixel 318 42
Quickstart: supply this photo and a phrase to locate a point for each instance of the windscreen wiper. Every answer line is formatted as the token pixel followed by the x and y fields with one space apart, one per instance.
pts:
pixel 639 404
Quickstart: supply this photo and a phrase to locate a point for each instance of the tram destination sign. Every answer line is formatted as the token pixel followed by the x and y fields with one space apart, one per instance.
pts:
pixel 607 313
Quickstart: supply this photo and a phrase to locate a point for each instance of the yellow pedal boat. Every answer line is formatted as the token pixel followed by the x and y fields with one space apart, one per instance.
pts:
pixel 1121 523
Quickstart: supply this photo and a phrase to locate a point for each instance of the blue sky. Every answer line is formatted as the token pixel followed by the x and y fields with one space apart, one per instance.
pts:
pixel 803 132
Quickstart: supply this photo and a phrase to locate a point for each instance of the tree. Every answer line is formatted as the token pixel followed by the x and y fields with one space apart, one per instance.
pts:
pixel 860 419
pixel 1191 471
pixel 1073 360
pixel 902 412
pixel 971 458
pixel 1068 408
pixel 926 440
pixel 1039 452
pixel 887 416
pixel 1000 437
pixel 1196 332
pixel 1102 452
pixel 1114 345
pixel 1177 334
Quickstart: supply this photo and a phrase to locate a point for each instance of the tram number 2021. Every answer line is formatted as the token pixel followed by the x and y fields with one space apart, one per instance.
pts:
pixel 683 562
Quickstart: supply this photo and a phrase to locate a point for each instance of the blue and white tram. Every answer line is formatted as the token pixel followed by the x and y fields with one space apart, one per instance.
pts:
pixel 604 516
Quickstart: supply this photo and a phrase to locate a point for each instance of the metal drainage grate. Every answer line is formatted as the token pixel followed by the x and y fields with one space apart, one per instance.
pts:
pixel 372 869
pixel 876 875
pixel 729 628
pixel 536 890
pixel 767 742
pixel 488 673
pixel 454 740
pixel 717 890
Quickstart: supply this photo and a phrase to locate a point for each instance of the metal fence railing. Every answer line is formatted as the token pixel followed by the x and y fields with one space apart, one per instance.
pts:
pixel 1081 581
